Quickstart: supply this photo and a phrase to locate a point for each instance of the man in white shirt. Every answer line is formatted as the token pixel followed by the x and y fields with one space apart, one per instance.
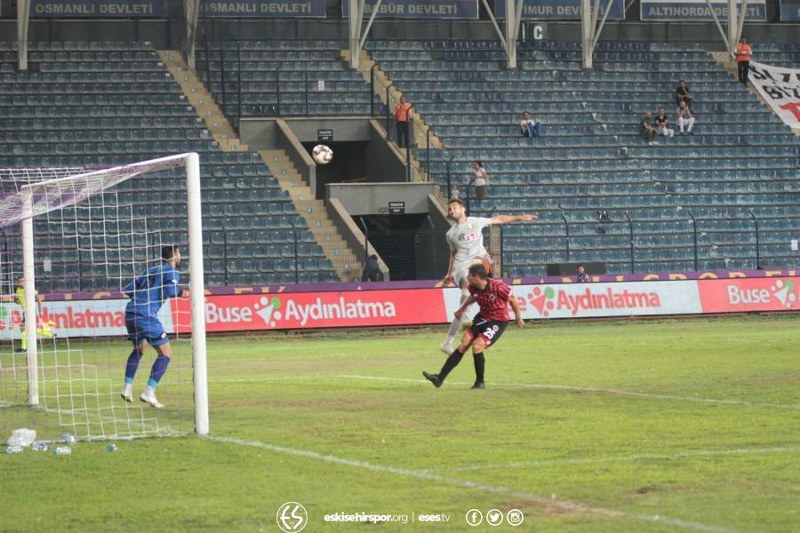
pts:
pixel 529 127
pixel 685 119
pixel 465 239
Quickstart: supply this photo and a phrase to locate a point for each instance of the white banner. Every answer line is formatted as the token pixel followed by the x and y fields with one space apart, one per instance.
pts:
pixel 780 87
pixel 584 300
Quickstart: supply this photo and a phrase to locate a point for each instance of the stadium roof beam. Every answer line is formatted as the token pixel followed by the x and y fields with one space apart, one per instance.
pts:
pixel 191 10
pixel 590 29
pixel 735 23
pixel 354 21
pixel 513 21
pixel 23 21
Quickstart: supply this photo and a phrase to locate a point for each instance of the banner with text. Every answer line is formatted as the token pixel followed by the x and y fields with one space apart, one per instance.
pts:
pixel 263 9
pixel 561 9
pixel 398 307
pixel 317 310
pixel 780 87
pixel 750 294
pixel 790 10
pixel 77 318
pixel 419 9
pixel 99 9
pixel 594 300
pixel 683 10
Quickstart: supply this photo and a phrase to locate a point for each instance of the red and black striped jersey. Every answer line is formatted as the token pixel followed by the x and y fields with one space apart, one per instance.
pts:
pixel 492 300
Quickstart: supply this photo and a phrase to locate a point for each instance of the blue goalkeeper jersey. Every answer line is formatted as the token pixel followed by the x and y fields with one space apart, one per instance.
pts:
pixel 148 291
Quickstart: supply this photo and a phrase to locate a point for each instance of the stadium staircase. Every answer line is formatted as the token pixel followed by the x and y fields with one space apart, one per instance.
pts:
pixel 739 170
pixel 389 95
pixel 99 104
pixel 300 78
pixel 202 101
pixel 344 260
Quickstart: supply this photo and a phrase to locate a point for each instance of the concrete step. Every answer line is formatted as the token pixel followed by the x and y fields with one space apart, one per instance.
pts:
pixel 202 101
pixel 334 247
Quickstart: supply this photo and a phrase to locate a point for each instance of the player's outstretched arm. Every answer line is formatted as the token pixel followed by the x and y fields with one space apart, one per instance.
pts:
pixel 505 219
pixel 517 313
pixel 460 311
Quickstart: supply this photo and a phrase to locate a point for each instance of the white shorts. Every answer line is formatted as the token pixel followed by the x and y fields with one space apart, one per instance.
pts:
pixel 461 270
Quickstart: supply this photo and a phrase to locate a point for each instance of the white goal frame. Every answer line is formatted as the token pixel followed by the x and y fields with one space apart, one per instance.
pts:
pixel 28 196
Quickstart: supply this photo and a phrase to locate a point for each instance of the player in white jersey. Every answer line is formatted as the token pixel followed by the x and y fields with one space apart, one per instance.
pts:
pixel 465 239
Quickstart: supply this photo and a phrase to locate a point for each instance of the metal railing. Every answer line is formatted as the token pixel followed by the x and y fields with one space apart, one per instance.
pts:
pixel 639 242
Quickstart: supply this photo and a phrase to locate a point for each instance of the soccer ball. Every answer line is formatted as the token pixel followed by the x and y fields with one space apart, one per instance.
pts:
pixel 322 154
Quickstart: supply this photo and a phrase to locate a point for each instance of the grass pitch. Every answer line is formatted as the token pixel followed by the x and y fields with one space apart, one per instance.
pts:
pixel 605 426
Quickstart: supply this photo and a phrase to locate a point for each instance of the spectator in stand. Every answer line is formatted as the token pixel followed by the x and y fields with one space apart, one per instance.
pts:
pixel 662 124
pixel 685 119
pixel 372 271
pixel 402 116
pixel 583 276
pixel 682 94
pixel 743 56
pixel 479 180
pixel 647 131
pixel 529 127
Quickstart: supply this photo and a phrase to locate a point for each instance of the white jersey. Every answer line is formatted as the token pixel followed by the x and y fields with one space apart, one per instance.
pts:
pixel 466 240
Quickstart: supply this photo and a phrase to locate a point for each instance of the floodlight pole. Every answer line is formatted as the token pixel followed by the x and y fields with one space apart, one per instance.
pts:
pixel 513 23
pixel 736 20
pixel 355 13
pixel 23 22
pixel 191 12
pixel 591 30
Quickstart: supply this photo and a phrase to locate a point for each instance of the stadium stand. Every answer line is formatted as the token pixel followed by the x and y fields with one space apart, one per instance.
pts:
pixel 738 169
pixel 286 78
pixel 93 104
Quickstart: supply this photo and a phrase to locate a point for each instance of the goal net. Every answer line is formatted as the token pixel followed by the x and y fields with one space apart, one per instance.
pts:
pixel 71 240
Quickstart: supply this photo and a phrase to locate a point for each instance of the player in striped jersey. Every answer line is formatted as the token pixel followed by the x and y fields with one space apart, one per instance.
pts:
pixel 493 298
pixel 465 239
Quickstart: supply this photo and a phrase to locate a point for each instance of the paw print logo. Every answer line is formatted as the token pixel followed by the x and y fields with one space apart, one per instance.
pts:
pixel 268 310
pixel 542 300
pixel 784 292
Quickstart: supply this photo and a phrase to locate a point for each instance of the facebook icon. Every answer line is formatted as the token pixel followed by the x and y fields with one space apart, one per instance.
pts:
pixel 474 517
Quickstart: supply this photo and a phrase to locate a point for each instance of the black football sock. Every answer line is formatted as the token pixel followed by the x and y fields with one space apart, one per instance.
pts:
pixel 480 364
pixel 450 364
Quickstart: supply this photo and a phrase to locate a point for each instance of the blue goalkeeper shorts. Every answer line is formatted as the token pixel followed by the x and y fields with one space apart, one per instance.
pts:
pixel 145 329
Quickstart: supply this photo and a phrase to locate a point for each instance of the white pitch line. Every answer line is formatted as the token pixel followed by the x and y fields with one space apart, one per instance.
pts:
pixel 598 390
pixel 564 505
pixel 624 458
pixel 268 379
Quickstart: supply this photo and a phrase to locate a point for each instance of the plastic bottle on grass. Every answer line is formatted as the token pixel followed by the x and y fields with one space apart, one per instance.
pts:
pixel 22 437
pixel 13 449
pixel 62 450
pixel 39 447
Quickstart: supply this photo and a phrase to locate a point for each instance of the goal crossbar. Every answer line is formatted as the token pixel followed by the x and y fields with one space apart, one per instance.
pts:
pixel 35 199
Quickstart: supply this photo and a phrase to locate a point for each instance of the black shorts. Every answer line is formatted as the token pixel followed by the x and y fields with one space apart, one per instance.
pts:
pixel 490 330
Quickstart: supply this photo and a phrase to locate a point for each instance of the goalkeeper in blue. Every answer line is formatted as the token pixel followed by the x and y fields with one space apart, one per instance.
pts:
pixel 148 292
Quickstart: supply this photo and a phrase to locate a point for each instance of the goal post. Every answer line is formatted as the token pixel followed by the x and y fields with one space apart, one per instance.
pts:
pixel 38 194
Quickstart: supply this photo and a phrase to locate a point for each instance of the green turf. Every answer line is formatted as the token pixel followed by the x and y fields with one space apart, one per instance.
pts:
pixel 603 426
